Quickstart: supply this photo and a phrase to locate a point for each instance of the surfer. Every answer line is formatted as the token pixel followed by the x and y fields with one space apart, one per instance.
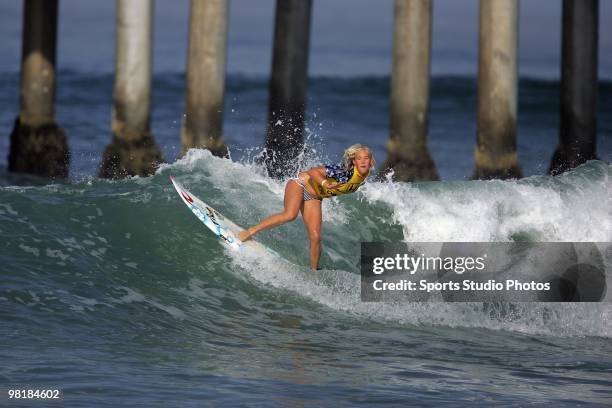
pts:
pixel 305 192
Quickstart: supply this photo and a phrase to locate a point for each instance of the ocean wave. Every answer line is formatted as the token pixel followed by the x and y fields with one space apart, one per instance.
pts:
pixel 99 245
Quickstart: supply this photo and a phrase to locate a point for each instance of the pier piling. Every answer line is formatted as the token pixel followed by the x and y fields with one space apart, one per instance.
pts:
pixel 578 121
pixel 495 153
pixel 285 129
pixel 408 155
pixel 133 150
pixel 203 122
pixel 38 144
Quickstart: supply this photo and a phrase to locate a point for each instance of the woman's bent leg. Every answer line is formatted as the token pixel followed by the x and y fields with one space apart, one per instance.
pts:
pixel 313 218
pixel 292 203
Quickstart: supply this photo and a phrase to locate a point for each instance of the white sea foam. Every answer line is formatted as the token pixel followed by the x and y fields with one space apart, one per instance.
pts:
pixel 6 208
pixel 565 208
pixel 69 243
pixel 29 249
pixel 134 296
pixel 56 253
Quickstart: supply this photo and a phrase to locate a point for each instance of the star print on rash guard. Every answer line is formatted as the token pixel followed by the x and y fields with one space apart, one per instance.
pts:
pixel 338 173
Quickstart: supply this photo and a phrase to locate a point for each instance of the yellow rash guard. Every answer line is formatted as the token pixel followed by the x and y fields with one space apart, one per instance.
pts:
pixel 350 181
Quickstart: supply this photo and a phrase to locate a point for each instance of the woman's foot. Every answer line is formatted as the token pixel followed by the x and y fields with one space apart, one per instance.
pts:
pixel 245 235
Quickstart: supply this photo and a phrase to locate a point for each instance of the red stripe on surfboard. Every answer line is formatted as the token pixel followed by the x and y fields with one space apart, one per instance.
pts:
pixel 187 197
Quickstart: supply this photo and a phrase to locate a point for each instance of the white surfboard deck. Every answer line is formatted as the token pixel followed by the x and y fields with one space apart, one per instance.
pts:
pixel 221 226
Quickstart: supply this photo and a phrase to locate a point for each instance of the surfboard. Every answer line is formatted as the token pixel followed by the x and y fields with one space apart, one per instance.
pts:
pixel 225 229
pixel 221 226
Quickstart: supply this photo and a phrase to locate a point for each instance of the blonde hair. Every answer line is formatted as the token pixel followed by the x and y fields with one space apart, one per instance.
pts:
pixel 351 151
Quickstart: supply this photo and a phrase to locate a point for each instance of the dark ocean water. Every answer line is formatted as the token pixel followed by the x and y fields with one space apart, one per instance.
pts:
pixel 114 292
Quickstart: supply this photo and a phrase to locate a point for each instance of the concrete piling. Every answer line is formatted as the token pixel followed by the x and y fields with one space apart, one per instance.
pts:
pixel 578 122
pixel 408 155
pixel 133 150
pixel 495 153
pixel 285 129
pixel 203 122
pixel 38 144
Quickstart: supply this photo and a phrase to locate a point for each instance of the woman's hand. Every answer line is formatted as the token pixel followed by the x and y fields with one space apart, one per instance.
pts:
pixel 330 186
